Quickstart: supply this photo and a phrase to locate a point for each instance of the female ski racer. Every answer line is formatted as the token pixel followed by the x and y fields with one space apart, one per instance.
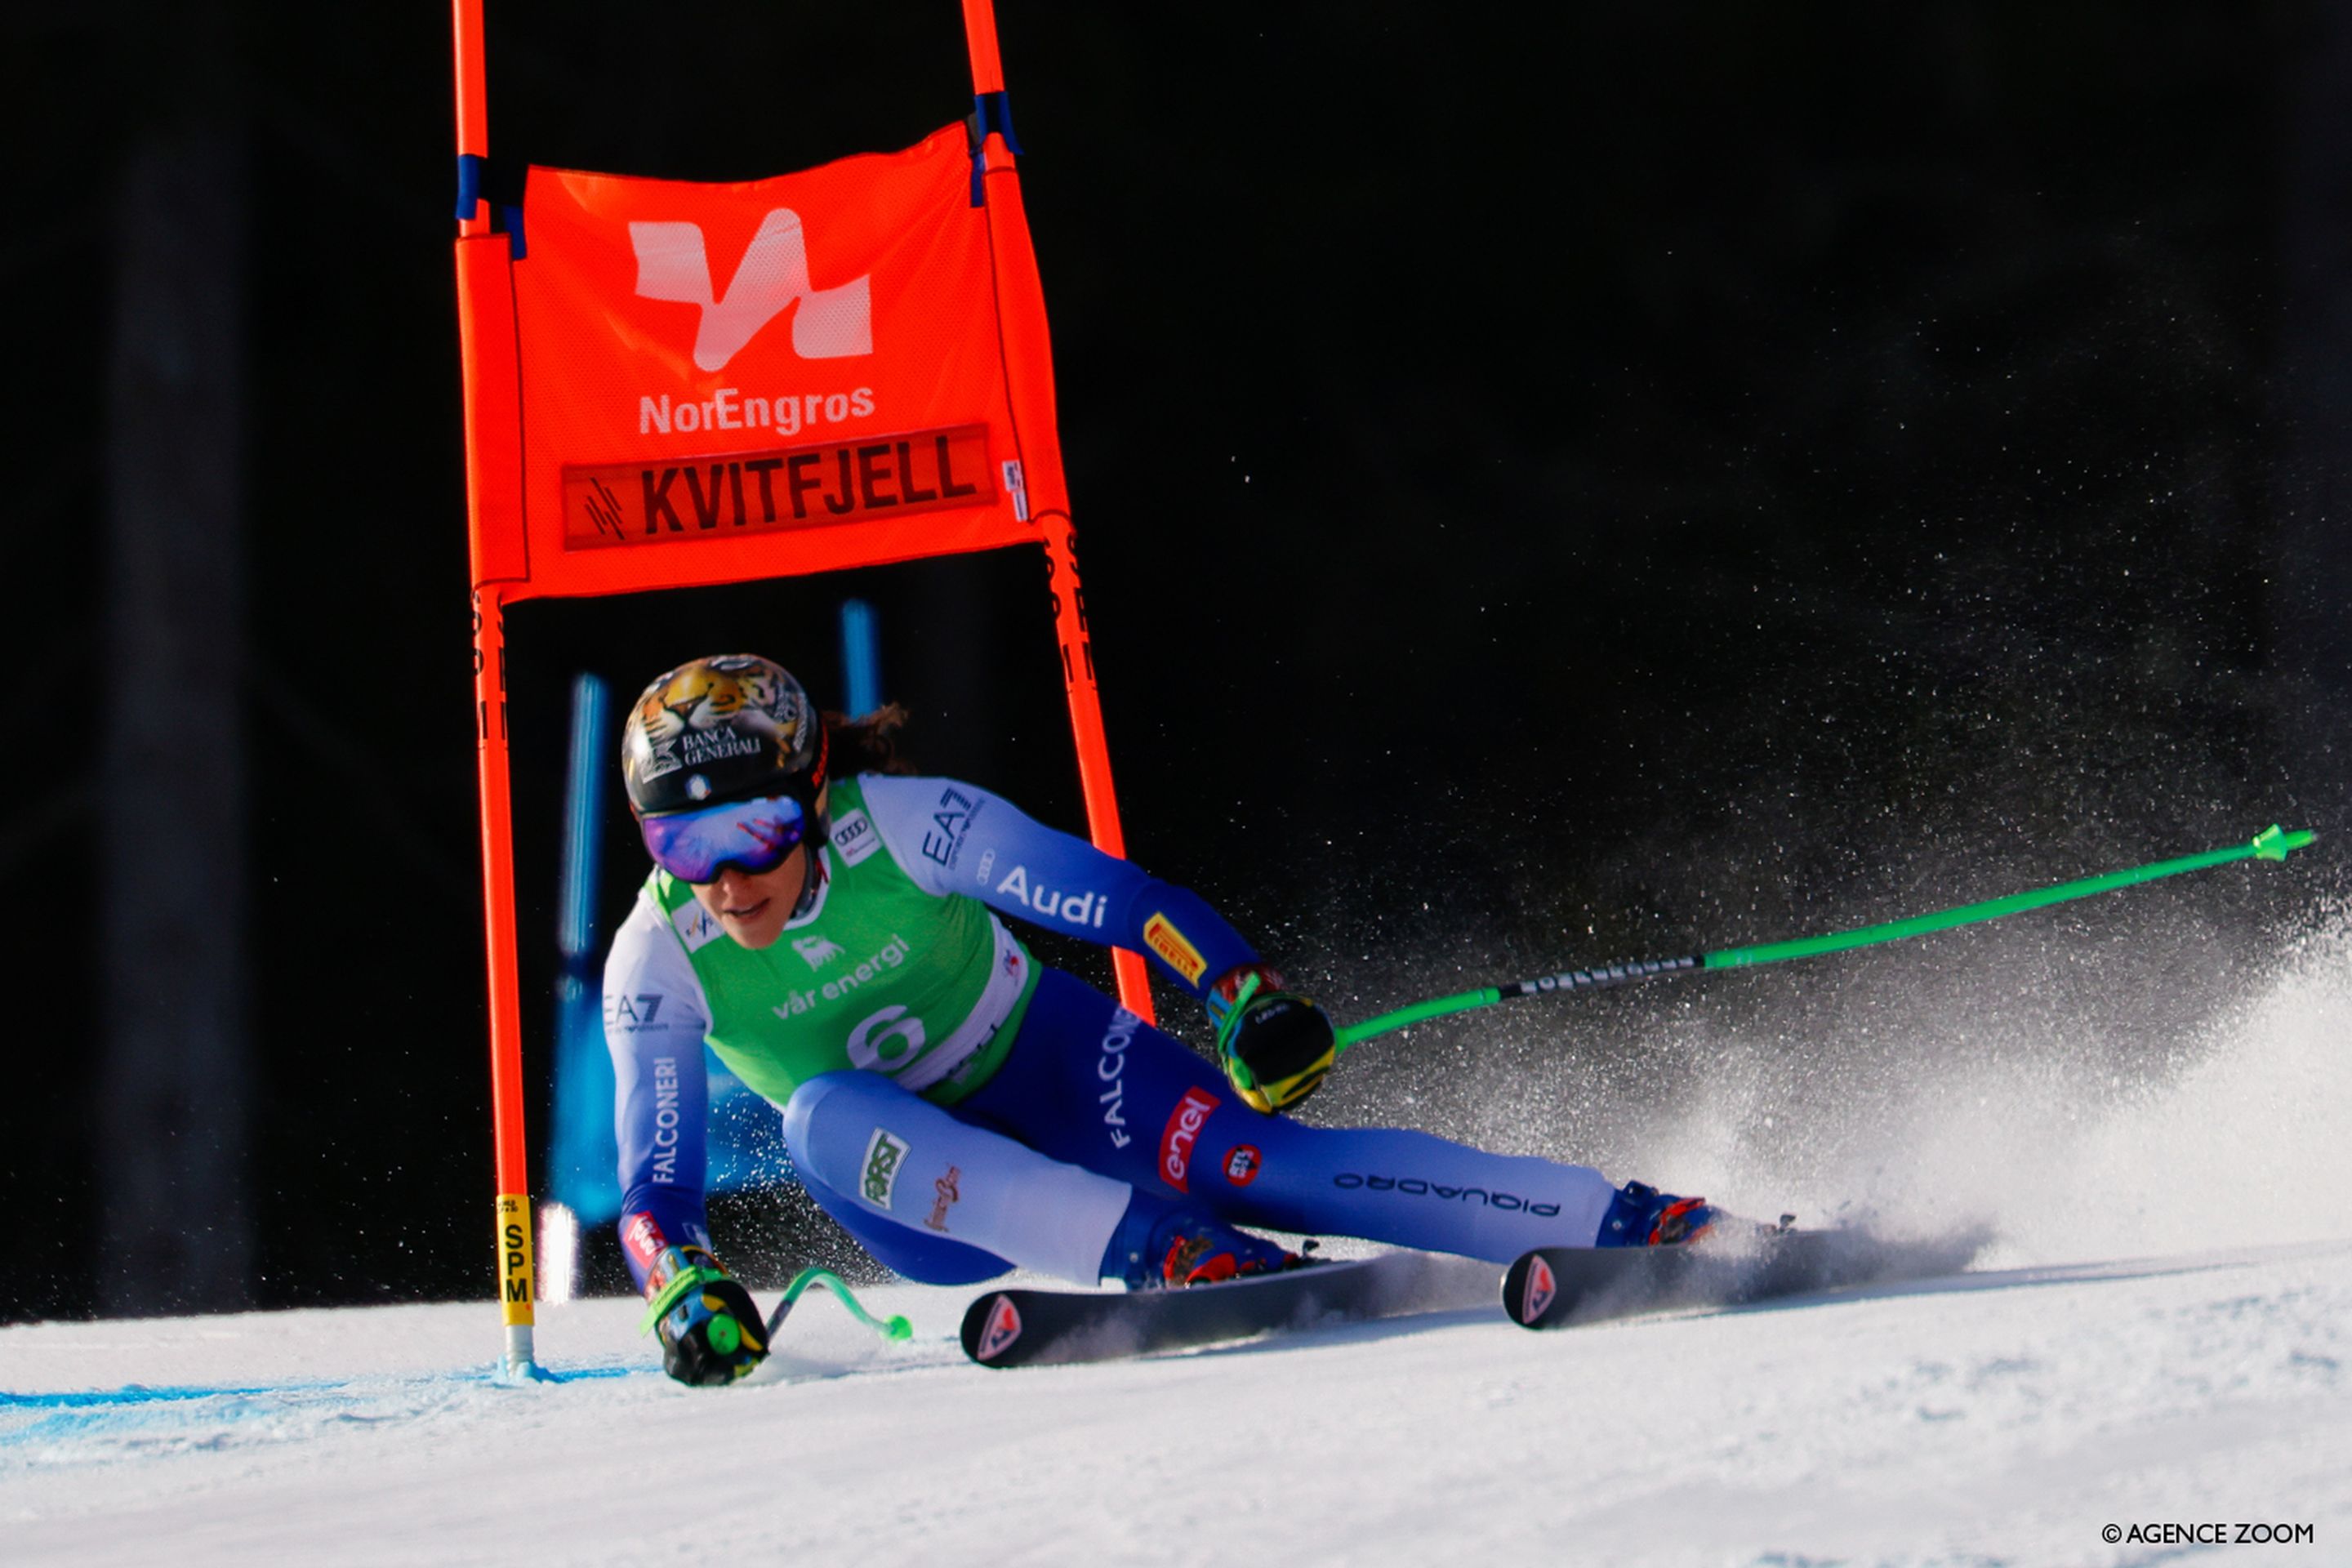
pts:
pixel 829 925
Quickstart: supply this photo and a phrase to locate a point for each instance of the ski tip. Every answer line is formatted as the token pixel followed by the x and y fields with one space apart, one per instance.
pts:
pixel 991 1327
pixel 1537 1291
pixel 1529 1288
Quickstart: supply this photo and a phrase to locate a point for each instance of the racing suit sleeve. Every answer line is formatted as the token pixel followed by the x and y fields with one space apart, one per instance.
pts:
pixel 953 837
pixel 655 1019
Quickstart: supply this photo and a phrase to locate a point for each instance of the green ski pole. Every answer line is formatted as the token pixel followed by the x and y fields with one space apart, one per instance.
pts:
pixel 2272 843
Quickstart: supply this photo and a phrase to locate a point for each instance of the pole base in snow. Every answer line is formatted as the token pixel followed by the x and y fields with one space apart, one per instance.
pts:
pixel 518 1365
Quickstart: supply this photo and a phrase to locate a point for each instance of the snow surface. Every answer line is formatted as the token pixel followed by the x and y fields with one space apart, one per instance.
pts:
pixel 2002 1417
pixel 1998 1418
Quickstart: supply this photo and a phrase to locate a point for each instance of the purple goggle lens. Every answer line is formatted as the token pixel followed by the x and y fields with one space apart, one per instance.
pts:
pixel 752 835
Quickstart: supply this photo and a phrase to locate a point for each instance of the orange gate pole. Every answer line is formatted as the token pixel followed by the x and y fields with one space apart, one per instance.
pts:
pixel 513 1204
pixel 514 1216
pixel 1029 383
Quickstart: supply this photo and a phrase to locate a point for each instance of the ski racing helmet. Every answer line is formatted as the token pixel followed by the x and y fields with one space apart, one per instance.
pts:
pixel 729 727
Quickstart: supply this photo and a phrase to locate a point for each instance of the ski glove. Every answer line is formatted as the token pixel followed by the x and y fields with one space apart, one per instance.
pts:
pixel 1275 1046
pixel 710 1332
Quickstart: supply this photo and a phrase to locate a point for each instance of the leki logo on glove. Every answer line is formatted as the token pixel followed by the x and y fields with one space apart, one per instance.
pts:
pixel 1182 1131
pixel 885 1153
pixel 673 266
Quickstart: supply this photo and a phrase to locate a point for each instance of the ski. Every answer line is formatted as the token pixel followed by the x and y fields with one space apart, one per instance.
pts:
pixel 1025 1327
pixel 1557 1287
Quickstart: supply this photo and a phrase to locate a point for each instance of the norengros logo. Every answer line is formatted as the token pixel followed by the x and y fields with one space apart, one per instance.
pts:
pixel 673 266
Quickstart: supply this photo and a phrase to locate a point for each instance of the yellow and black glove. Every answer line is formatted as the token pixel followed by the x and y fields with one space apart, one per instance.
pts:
pixel 1275 1045
pixel 711 1330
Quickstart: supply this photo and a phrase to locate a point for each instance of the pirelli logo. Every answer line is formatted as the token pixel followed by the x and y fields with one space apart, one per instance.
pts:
pixel 1161 935
pixel 621 504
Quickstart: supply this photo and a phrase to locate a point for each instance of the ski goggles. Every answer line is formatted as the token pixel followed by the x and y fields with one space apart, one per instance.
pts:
pixel 752 835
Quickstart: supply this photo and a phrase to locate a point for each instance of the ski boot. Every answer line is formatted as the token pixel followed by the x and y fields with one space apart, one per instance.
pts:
pixel 1188 1247
pixel 1641 1215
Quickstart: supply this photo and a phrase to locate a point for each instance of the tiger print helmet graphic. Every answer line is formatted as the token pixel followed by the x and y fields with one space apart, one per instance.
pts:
pixel 729 727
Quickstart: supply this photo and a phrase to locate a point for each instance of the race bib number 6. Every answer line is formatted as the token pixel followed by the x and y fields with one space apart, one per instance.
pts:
pixel 887 1041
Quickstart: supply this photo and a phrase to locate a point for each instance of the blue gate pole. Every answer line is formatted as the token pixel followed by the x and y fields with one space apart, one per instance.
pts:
pixel 583 1154
pixel 861 660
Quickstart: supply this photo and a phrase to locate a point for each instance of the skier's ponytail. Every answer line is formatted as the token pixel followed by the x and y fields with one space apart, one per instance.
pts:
pixel 868 745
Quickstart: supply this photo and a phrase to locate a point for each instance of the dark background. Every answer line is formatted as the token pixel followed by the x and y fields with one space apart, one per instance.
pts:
pixel 1550 489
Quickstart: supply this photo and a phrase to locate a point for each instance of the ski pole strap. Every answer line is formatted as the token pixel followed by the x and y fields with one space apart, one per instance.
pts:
pixel 687 1279
pixel 1228 1015
pixel 895 1328
pixel 2272 843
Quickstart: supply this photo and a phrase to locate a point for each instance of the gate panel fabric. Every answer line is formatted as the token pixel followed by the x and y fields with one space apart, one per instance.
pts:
pixel 720 382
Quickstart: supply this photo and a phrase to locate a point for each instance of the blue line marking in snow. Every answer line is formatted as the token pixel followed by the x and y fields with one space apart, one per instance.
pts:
pixel 145 1393
pixel 144 1412
pixel 129 1394
pixel 539 1373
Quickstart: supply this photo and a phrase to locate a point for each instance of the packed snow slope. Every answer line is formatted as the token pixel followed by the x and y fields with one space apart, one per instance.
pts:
pixel 2000 1418
pixel 2158 1343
